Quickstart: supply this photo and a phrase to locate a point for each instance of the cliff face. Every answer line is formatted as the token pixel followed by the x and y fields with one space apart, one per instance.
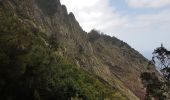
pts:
pixel 107 57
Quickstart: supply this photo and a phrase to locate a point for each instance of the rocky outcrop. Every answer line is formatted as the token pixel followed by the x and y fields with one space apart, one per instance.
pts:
pixel 112 60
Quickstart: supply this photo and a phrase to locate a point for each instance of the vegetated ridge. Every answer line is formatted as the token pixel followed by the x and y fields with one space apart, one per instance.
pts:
pixel 46 55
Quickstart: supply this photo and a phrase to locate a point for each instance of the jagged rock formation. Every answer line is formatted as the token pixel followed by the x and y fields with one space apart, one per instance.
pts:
pixel 112 60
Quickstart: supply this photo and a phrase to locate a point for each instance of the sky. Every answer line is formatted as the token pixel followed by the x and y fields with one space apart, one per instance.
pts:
pixel 143 24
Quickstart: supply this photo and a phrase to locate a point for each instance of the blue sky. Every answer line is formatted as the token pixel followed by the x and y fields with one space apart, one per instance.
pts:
pixel 144 24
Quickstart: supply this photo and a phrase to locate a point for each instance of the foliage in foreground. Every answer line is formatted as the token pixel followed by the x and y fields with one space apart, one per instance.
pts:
pixel 155 87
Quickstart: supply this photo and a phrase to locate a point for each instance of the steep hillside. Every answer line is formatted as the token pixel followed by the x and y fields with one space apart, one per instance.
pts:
pixel 41 34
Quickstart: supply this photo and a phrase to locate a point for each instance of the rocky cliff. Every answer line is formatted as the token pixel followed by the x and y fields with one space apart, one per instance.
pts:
pixel 114 62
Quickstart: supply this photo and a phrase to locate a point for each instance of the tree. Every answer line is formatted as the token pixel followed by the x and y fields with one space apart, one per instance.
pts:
pixel 155 87
pixel 161 57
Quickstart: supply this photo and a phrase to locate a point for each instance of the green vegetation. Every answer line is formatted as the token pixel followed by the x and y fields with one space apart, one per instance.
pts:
pixel 31 68
pixel 156 87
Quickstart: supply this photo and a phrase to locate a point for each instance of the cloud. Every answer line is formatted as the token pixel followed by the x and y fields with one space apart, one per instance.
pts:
pixel 146 31
pixel 148 3
pixel 100 15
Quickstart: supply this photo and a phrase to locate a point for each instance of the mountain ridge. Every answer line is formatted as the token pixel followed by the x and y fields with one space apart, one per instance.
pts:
pixel 107 57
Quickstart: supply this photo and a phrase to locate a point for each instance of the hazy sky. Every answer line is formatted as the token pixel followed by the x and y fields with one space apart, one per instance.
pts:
pixel 144 24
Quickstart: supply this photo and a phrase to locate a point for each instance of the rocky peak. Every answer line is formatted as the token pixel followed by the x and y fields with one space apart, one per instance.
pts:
pixel 64 9
pixel 71 15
